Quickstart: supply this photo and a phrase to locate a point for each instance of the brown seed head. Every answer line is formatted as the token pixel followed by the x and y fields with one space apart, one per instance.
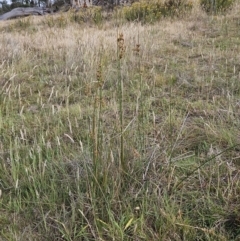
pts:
pixel 137 49
pixel 99 76
pixel 121 46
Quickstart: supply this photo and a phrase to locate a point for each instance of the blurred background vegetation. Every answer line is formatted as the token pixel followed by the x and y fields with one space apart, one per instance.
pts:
pixel 136 8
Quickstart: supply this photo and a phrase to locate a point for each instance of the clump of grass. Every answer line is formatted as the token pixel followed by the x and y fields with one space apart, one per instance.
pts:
pixel 151 11
pixel 88 15
pixel 59 21
pixel 23 24
pixel 49 21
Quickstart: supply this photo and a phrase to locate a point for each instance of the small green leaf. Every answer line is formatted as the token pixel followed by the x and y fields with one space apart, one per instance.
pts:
pixel 128 224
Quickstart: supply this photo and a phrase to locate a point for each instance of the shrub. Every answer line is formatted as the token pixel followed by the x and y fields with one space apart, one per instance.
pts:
pixel 150 11
pixel 215 6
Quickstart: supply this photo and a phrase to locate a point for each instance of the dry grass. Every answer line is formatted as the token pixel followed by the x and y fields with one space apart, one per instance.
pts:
pixel 60 121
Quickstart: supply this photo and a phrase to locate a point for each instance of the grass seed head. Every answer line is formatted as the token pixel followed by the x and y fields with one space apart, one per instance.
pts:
pixel 121 46
pixel 99 76
pixel 136 50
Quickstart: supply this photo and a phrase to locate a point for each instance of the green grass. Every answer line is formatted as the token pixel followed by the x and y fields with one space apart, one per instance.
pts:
pixel 106 142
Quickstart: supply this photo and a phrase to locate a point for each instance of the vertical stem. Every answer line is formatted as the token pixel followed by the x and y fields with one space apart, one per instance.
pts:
pixel 120 88
pixel 94 137
pixel 100 124
pixel 141 106
pixel 121 116
pixel 170 124
pixel 120 53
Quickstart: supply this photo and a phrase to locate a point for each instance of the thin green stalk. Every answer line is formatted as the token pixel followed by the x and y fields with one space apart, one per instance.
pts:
pixel 120 88
pixel 141 112
pixel 208 160
pixel 94 136
pixel 100 101
pixel 120 53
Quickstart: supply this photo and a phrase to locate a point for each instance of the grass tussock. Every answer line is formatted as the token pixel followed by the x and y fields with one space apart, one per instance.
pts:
pixel 120 131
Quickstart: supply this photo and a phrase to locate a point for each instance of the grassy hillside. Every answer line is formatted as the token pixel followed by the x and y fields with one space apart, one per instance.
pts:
pixel 116 130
